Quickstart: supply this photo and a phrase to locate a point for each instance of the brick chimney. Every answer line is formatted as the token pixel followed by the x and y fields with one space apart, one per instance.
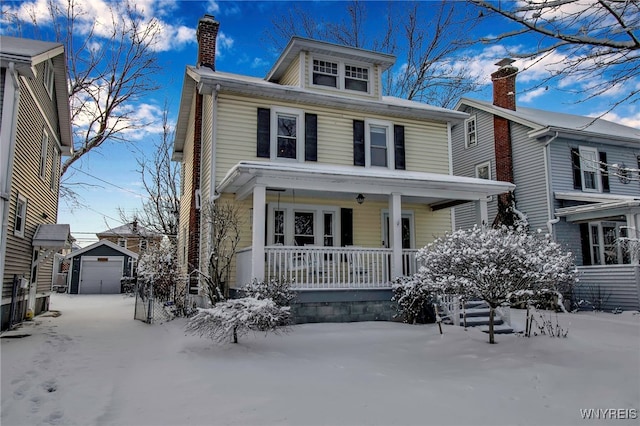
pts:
pixel 504 84
pixel 504 96
pixel 206 34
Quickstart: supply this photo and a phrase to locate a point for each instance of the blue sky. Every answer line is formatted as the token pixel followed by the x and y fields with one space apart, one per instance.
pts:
pixel 244 48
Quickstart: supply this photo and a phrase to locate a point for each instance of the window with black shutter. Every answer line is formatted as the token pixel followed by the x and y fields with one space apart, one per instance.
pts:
pixel 264 133
pixel 575 166
pixel 310 137
pixel 398 141
pixel 358 143
pixel 604 172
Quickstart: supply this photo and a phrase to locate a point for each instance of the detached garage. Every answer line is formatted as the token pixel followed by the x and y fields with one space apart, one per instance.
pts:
pixel 99 268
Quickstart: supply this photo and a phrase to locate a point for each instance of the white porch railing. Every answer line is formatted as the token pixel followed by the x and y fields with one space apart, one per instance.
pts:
pixel 326 267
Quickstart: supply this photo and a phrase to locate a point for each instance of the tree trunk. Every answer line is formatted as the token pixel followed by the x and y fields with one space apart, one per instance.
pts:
pixel 235 334
pixel 492 311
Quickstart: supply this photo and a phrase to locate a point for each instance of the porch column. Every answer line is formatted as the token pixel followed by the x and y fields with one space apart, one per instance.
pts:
pixel 395 233
pixel 257 235
pixel 482 213
pixel 633 231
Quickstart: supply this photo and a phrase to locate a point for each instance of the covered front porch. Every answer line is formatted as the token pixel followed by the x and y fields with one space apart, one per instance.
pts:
pixel 319 257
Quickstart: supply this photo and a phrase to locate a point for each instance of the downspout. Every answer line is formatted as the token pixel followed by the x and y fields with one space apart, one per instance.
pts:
pixel 452 211
pixel 552 220
pixel 5 188
pixel 213 194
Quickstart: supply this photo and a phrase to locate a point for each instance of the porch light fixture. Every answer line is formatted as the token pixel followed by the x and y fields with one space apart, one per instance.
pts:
pixel 360 198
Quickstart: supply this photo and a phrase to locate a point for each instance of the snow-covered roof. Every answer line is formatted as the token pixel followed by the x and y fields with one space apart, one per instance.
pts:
pixel 54 236
pixel 25 54
pixel 102 243
pixel 128 230
pixel 547 122
pixel 599 211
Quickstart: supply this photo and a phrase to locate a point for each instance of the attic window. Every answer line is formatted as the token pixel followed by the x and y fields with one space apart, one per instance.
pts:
pixel 325 73
pixel 470 132
pixel 356 78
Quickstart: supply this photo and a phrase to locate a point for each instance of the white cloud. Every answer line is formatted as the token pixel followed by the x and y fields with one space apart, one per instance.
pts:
pixel 259 63
pixel 532 94
pixel 632 119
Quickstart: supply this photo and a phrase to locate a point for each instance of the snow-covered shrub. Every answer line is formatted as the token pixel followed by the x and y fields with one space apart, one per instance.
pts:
pixel 413 299
pixel 158 267
pixel 492 263
pixel 546 299
pixel 277 289
pixel 236 317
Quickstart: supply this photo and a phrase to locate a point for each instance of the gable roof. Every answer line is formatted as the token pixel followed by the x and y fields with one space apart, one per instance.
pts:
pixel 547 123
pixel 297 44
pixel 102 243
pixel 127 230
pixel 25 54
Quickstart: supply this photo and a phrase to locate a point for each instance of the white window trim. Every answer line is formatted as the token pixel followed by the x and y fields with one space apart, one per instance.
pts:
pixel 55 167
pixel 141 243
pixel 299 133
pixel 124 240
pixel 601 245
pixel 289 228
pixel 20 232
pixel 340 83
pixel 367 142
pixel 44 149
pixel 49 77
pixel 486 164
pixel 467 143
pixel 583 165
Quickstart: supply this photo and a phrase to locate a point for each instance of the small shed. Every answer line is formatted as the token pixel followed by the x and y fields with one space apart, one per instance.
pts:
pixel 99 268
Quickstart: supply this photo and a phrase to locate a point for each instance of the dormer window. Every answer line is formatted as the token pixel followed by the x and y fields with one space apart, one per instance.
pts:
pixel 325 73
pixel 356 78
pixel 340 75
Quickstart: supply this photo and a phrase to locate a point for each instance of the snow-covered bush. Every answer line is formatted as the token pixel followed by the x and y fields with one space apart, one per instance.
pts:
pixel 158 267
pixel 492 263
pixel 413 299
pixel 277 289
pixel 236 317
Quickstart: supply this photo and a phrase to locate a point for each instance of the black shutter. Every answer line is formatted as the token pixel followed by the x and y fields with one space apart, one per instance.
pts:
pixel 575 165
pixel 398 143
pixel 310 137
pixel 264 133
pixel 584 242
pixel 346 227
pixel 358 143
pixel 604 172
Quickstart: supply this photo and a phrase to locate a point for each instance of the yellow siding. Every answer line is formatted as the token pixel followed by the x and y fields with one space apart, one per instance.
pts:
pixel 291 77
pixel 41 199
pixel 367 220
pixel 185 196
pixel 425 142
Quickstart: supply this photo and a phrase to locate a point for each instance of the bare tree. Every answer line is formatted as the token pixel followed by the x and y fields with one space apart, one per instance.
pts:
pixel 223 223
pixel 596 42
pixel 432 50
pixel 111 63
pixel 161 181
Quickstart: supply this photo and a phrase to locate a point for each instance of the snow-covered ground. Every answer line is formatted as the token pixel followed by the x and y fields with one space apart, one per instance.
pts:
pixel 95 365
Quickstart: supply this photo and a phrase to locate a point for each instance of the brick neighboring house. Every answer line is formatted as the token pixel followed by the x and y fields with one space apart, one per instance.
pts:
pixel 35 131
pixel 131 236
pixel 336 185
pixel 572 180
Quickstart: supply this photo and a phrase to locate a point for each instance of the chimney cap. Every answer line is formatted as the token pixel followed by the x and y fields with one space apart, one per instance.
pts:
pixel 505 62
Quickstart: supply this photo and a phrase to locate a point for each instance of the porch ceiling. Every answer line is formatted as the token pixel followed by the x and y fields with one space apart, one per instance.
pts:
pixel 437 190
pixel 599 211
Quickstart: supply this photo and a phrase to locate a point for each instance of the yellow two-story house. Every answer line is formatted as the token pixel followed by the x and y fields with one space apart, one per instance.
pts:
pixel 337 185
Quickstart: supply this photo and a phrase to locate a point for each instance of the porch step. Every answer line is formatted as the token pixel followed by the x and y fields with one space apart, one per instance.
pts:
pixel 497 329
pixel 476 321
pixel 477 314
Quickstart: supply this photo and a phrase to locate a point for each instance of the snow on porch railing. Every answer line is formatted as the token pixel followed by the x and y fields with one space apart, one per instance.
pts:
pixel 329 267
pixel 450 305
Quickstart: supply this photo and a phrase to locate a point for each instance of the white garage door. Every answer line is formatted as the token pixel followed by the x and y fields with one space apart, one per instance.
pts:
pixel 100 275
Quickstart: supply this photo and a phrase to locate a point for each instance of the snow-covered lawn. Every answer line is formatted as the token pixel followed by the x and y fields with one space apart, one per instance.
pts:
pixel 95 365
